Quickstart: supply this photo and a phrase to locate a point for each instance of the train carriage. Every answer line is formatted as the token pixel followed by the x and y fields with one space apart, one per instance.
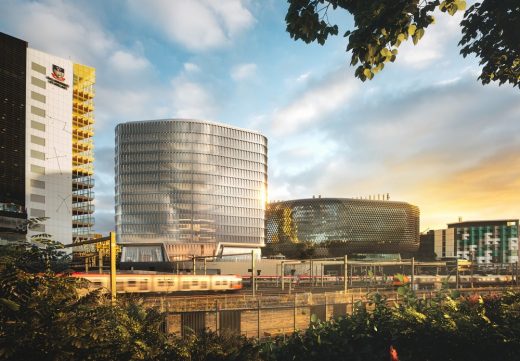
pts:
pixel 165 283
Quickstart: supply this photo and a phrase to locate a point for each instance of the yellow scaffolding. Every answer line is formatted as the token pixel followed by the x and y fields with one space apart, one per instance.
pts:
pixel 83 150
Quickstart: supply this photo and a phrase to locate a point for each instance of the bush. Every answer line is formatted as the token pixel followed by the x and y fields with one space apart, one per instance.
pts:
pixel 446 328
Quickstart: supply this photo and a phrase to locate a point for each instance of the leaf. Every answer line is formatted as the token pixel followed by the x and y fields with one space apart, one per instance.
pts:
pixel 314 318
pixel 13 306
pixel 411 29
pixel 401 37
pixel 367 73
pixel 452 10
pixel 383 31
pixel 461 4
pixel 419 33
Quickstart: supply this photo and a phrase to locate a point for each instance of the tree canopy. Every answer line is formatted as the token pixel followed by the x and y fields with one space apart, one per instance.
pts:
pixel 489 31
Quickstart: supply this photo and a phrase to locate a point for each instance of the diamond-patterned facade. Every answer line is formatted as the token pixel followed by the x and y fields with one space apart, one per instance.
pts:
pixel 344 225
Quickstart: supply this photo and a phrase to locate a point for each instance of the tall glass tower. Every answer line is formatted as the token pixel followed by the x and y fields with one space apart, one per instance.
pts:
pixel 197 187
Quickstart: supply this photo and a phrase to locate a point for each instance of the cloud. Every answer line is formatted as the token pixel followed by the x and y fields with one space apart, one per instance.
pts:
pixel 316 103
pixel 58 27
pixel 192 100
pixel 435 147
pixel 243 71
pixel 191 68
pixel 434 43
pixel 196 24
pixel 105 221
pixel 303 77
pixel 124 61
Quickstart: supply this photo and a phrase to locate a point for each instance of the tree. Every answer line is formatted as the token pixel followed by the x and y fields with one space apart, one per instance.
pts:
pixel 39 253
pixel 490 31
pixel 47 316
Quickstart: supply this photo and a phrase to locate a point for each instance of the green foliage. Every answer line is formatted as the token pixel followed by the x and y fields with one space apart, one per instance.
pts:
pixel 444 328
pixel 212 347
pixel 44 316
pixel 490 31
pixel 38 254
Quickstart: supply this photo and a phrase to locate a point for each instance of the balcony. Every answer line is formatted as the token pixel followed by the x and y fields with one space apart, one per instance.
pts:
pixel 82 208
pixel 82 183
pixel 81 222
pixel 82 133
pixel 82 195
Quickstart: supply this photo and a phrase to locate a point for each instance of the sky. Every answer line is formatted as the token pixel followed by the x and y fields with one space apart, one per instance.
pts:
pixel 424 130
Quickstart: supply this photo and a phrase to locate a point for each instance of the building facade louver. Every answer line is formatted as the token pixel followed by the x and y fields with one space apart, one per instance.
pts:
pixel 195 186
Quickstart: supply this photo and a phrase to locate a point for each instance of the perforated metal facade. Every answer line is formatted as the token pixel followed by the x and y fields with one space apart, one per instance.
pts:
pixel 190 182
pixel 352 225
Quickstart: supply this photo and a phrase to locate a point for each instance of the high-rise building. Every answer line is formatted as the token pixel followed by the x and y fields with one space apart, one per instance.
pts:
pixel 13 61
pixel 343 225
pixel 47 118
pixel 483 242
pixel 196 187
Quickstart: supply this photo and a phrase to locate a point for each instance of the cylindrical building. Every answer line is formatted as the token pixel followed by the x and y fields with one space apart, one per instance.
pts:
pixel 344 225
pixel 195 186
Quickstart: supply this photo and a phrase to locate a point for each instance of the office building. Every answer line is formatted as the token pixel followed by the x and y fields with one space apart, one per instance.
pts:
pixel 343 226
pixel 483 242
pixel 46 140
pixel 196 187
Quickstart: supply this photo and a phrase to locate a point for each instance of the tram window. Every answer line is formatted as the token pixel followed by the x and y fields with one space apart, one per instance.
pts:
pixel 224 283
pixel 120 286
pixel 131 283
pixel 203 284
pixel 97 284
pixel 185 285
pixel 217 283
pixel 194 283
pixel 143 285
pixel 160 283
pixel 170 283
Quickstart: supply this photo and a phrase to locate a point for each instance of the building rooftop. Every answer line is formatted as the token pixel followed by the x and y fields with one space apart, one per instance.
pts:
pixel 493 222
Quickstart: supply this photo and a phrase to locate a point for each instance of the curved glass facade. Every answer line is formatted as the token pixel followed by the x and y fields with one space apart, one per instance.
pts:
pixel 190 182
pixel 345 225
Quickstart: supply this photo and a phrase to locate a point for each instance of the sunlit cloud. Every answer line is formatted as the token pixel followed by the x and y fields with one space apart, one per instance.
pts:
pixel 198 25
pixel 316 103
pixel 243 71
pixel 127 62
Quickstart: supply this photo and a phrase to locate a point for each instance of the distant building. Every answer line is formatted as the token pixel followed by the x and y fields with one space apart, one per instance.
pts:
pixel 46 159
pixel 426 250
pixel 197 187
pixel 484 242
pixel 343 225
